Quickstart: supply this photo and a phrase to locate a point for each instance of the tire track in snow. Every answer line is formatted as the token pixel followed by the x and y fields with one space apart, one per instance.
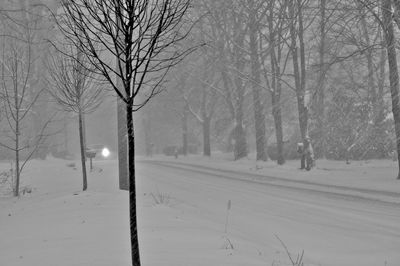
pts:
pixel 350 193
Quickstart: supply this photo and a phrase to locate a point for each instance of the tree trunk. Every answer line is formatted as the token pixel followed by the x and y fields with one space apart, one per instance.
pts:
pixel 132 184
pixel 82 149
pixel 299 77
pixel 375 135
pixel 185 129
pixel 230 104
pixel 122 145
pixel 259 121
pixel 276 108
pixel 276 86
pixel 380 102
pixel 206 136
pixel 303 114
pixel 17 170
pixel 393 71
pixel 84 130
pixel 320 110
pixel 277 114
pixel 381 88
pixel 240 148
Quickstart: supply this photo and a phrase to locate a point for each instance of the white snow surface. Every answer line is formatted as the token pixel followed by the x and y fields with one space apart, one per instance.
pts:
pixel 338 214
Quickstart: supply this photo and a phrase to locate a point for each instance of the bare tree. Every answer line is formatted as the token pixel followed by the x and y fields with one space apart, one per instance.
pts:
pixel 76 90
pixel 386 20
pixel 297 49
pixel 276 39
pixel 174 101
pixel 18 99
pixel 256 13
pixel 143 36
pixel 32 15
pixel 228 35
pixel 202 98
pixel 320 90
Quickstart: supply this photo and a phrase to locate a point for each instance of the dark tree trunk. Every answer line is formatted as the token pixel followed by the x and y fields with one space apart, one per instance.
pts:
pixel 132 185
pixel 303 114
pixel 301 108
pixel 82 149
pixel 206 137
pixel 259 121
pixel 393 71
pixel 185 129
pixel 122 145
pixel 84 130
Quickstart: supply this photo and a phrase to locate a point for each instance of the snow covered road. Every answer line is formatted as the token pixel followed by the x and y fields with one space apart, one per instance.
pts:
pixel 57 225
pixel 339 227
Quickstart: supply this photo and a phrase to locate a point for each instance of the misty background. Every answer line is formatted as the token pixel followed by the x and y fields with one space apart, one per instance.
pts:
pixel 241 91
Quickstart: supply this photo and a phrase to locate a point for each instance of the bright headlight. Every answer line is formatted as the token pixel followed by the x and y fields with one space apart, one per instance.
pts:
pixel 105 152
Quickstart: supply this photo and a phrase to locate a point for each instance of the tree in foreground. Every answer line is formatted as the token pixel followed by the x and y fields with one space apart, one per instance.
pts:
pixel 74 88
pixel 144 38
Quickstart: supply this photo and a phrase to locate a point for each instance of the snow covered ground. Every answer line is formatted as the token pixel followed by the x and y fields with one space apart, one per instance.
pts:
pixel 338 214
pixel 371 174
pixel 57 224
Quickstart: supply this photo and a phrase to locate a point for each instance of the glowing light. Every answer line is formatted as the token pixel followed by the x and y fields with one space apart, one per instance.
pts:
pixel 105 152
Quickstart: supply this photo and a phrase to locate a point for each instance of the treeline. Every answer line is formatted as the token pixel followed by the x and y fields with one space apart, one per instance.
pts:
pixel 272 72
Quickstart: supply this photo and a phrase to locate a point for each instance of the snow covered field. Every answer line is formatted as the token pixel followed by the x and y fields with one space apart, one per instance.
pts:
pixel 338 214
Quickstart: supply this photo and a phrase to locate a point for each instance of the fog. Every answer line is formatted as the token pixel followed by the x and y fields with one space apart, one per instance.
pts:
pixel 205 132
